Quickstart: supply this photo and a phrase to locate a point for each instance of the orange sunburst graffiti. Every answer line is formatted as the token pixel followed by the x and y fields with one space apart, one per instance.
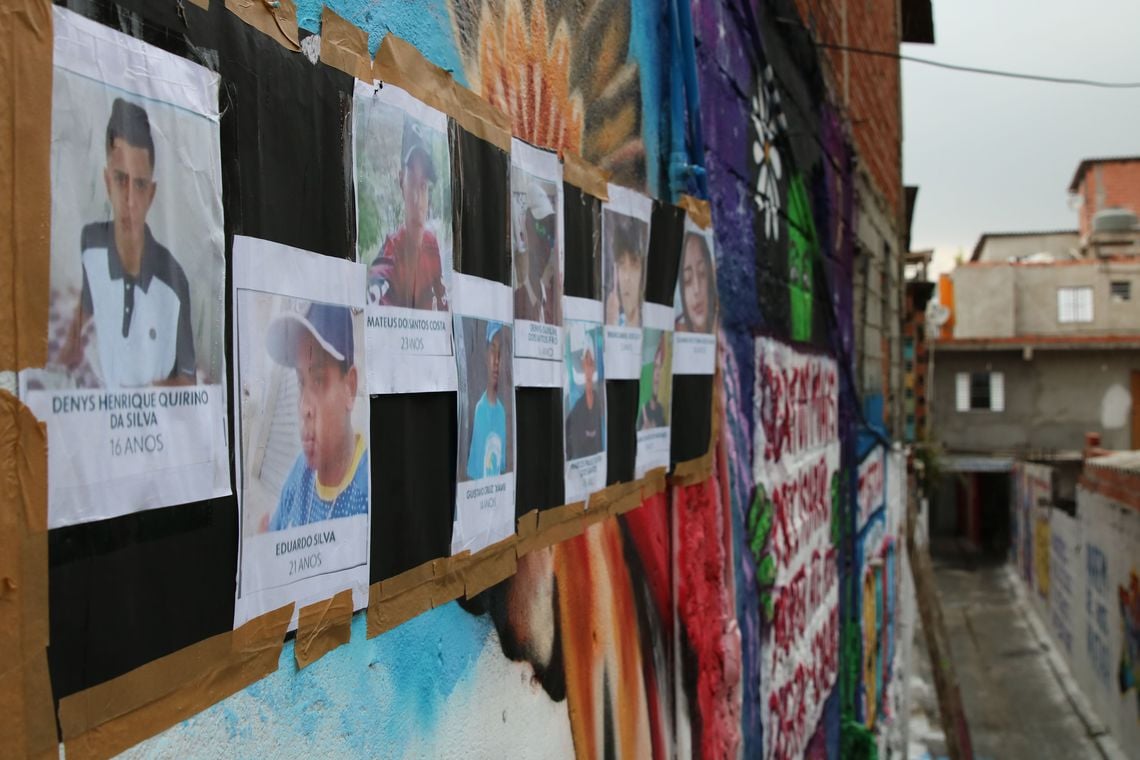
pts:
pixel 525 72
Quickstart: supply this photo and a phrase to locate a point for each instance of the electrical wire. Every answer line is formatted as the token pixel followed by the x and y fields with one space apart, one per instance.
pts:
pixel 981 70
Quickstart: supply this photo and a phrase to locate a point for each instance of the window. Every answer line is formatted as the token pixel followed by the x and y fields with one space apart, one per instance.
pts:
pixel 1074 305
pixel 1121 290
pixel 980 391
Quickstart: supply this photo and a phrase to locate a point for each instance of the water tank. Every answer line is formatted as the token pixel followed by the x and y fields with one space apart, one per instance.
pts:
pixel 1114 220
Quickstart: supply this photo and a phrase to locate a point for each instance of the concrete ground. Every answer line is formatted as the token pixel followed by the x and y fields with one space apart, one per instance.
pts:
pixel 1015 705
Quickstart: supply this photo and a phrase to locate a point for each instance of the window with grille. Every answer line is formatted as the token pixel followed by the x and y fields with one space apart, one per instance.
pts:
pixel 1121 290
pixel 980 391
pixel 1074 304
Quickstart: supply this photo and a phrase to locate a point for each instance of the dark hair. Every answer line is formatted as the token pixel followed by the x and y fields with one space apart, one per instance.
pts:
pixel 627 234
pixel 706 252
pixel 129 122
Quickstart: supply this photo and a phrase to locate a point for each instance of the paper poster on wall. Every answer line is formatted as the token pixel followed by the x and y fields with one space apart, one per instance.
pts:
pixel 695 304
pixel 536 242
pixel 485 493
pixel 625 248
pixel 302 425
pixel 133 383
pixel 584 399
pixel 656 389
pixel 404 235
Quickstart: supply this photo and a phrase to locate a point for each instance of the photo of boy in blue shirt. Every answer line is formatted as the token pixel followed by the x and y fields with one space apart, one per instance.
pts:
pixel 487 456
pixel 330 477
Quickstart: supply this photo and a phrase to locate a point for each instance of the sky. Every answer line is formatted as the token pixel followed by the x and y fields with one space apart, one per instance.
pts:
pixel 992 154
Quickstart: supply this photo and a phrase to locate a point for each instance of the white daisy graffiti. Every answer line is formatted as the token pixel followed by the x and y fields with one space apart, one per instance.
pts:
pixel 767 121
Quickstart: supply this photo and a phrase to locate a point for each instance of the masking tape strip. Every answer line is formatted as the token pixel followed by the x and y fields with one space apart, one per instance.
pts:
pixel 526 530
pixel 699 211
pixel 25 181
pixel 277 19
pixel 104 720
pixel 447 585
pixel 559 524
pixel 345 46
pixel 203 4
pixel 322 627
pixel 492 564
pixel 580 173
pixel 27 717
pixel 403 65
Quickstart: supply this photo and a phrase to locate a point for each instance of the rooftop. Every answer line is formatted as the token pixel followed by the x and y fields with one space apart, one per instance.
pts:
pixel 1025 234
pixel 1084 166
pixel 1121 461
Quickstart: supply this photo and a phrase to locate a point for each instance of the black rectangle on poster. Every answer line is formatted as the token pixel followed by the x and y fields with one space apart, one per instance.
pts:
pixel 692 417
pixel 583 243
pixel 126 591
pixel 665 233
pixel 540 475
pixel 480 191
pixel 413 480
pixel 621 429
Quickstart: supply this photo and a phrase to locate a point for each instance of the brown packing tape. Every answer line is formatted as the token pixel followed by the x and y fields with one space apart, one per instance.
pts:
pixel 344 46
pixel 409 579
pixel 559 524
pixel 203 4
pixel 490 566
pixel 694 470
pixel 526 530
pixel 322 627
pixel 387 612
pixel 582 174
pixel 653 483
pixel 448 582
pixel 27 716
pixel 109 718
pixel 400 63
pixel 606 499
pixel 276 18
pixel 699 211
pixel 627 503
pixel 25 176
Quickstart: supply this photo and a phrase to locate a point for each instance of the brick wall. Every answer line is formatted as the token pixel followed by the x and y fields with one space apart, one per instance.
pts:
pixel 868 87
pixel 1108 184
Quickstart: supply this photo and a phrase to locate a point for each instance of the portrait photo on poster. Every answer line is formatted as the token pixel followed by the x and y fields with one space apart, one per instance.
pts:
pixel 303 427
pixel 537 254
pixel 134 377
pixel 625 249
pixel 485 494
pixel 404 234
pixel 584 407
pixel 695 304
pixel 656 391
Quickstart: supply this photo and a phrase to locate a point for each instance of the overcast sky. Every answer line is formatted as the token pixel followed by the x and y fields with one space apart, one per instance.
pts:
pixel 992 154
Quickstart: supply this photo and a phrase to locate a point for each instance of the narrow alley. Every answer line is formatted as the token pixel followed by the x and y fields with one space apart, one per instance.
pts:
pixel 1015 704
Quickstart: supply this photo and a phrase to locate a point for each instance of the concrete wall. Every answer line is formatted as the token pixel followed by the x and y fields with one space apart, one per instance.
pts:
pixel 1051 399
pixel 1080 578
pixel 983 302
pixel 1005 247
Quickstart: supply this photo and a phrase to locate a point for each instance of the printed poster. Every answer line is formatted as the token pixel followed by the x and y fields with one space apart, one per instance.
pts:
pixel 133 383
pixel 584 399
pixel 695 304
pixel 537 252
pixel 625 251
pixel 656 389
pixel 485 491
pixel 404 236
pixel 303 427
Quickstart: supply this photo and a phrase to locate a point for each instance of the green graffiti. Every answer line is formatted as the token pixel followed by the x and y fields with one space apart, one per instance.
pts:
pixel 802 250
pixel 761 515
pixel 856 741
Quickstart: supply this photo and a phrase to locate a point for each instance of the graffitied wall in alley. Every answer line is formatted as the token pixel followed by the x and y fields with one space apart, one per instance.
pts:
pixel 780 180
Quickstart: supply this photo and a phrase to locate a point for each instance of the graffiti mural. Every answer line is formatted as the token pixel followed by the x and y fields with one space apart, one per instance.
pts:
pixel 563 72
pixel 1129 675
pixel 796 456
